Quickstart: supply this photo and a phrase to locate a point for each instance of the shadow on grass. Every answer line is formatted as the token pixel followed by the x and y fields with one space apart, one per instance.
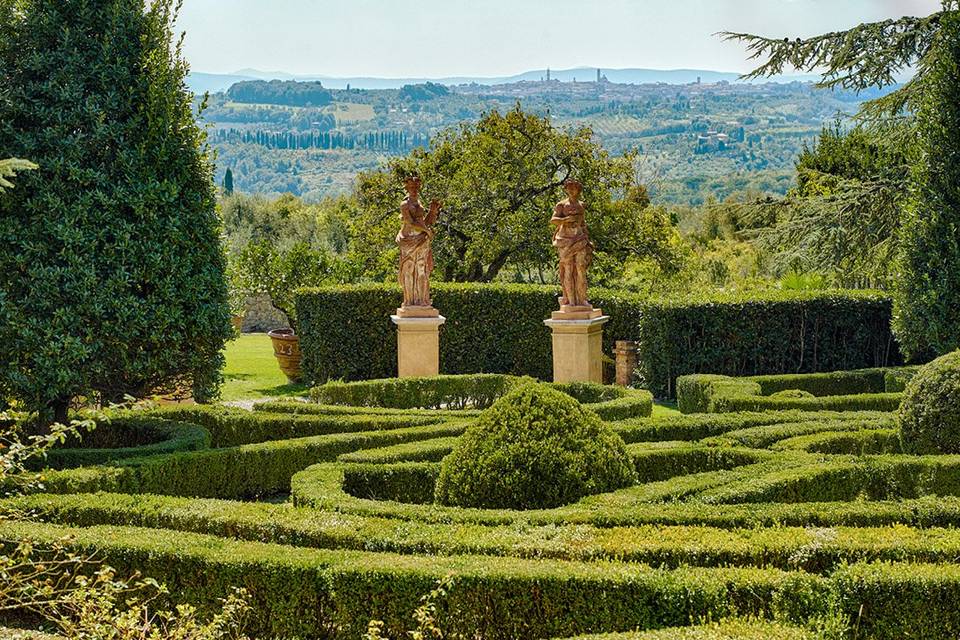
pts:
pixel 238 376
pixel 284 390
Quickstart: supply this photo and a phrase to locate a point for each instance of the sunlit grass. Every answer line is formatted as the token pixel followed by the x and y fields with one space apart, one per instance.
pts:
pixel 252 372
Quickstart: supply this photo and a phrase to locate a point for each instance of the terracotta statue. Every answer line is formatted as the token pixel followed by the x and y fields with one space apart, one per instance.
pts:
pixel 573 244
pixel 414 238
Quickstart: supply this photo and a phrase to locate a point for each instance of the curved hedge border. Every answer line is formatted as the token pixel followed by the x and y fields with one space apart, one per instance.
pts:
pixel 475 391
pixel 860 390
pixel 783 547
pixel 498 328
pixel 233 472
pixel 160 437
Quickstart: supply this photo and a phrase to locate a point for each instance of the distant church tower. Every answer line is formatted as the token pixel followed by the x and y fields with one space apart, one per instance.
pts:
pixel 548 74
pixel 598 75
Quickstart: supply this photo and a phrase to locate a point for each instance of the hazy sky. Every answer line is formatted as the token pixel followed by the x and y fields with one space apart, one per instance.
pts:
pixel 433 38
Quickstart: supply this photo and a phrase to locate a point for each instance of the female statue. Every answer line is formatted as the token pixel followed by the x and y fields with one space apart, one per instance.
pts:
pixel 414 238
pixel 573 244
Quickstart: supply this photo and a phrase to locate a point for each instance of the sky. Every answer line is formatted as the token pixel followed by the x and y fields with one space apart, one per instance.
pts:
pixel 437 38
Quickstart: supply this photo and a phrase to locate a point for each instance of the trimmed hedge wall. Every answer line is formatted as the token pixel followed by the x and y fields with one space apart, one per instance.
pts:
pixel 322 593
pixel 766 333
pixel 346 332
pixel 122 438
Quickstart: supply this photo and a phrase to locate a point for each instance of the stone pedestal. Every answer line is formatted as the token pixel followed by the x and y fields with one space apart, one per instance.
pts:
pixel 418 345
pixel 577 349
pixel 626 359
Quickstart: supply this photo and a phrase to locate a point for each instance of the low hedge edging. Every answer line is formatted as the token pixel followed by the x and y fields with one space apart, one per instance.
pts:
pixel 860 390
pixel 233 472
pixel 158 437
pixel 475 391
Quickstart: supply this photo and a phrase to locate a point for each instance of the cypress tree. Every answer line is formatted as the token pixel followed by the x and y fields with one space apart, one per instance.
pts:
pixel 927 292
pixel 228 182
pixel 111 273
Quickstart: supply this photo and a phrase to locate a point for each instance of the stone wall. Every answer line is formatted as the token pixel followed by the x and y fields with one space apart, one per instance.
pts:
pixel 260 316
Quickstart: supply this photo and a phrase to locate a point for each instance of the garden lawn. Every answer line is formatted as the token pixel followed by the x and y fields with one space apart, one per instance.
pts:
pixel 252 372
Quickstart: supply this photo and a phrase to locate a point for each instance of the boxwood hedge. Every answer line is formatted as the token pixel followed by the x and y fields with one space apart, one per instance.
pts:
pixel 346 332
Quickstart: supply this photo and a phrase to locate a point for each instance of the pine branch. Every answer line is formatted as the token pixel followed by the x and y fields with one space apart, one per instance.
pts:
pixel 9 169
pixel 869 55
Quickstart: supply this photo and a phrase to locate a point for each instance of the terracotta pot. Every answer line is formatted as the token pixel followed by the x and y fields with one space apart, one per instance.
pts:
pixel 286 348
pixel 237 322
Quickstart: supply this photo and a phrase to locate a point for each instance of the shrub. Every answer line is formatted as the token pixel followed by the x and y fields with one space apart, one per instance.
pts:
pixel 534 448
pixel 792 393
pixel 346 333
pixel 929 416
pixel 112 274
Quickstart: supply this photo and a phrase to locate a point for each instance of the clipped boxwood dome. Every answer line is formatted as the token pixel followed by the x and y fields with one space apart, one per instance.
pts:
pixel 535 448
pixel 929 415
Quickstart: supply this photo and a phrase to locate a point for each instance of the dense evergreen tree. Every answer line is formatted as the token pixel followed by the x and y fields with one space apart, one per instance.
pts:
pixel 112 273
pixel 928 291
pixel 228 182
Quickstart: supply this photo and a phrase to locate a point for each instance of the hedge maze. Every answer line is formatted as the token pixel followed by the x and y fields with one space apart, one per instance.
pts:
pixel 774 522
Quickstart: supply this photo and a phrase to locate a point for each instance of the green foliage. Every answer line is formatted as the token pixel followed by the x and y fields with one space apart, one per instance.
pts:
pixel 112 277
pixel 477 391
pixel 762 333
pixel 116 438
pixel 927 296
pixel 262 268
pixel 344 332
pixel 498 180
pixel 929 417
pixel 496 598
pixel 726 630
pixel 285 92
pixel 534 448
pixel 860 390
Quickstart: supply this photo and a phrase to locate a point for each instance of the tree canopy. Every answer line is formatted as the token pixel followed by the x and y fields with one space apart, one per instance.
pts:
pixel 498 180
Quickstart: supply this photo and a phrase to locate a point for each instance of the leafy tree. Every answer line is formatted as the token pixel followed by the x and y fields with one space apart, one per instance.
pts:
pixel 265 268
pixel 228 182
pixel 499 180
pixel 112 274
pixel 285 92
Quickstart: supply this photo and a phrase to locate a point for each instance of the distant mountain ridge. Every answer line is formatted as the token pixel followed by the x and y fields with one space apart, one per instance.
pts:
pixel 215 82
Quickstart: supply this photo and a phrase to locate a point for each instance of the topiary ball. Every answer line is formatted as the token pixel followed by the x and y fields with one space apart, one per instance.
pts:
pixel 534 448
pixel 929 414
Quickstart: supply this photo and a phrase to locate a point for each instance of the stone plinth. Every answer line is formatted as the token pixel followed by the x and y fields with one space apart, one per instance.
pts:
pixel 626 359
pixel 571 312
pixel 418 345
pixel 577 349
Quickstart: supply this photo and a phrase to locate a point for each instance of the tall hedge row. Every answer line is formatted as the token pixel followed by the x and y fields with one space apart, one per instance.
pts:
pixel 346 332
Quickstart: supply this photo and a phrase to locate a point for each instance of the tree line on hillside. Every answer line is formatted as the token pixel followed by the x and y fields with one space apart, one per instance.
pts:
pixel 393 141
pixel 284 92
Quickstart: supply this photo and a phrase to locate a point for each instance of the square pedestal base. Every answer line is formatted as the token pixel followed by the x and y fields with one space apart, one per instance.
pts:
pixel 578 349
pixel 418 346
